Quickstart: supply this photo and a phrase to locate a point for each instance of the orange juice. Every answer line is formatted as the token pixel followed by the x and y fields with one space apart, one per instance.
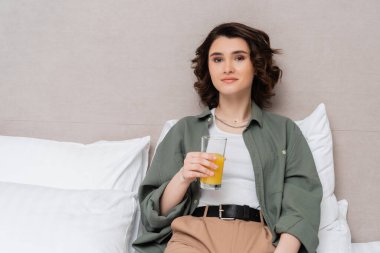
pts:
pixel 214 182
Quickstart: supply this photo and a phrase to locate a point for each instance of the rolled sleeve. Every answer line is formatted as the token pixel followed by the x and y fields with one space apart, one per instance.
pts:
pixel 166 163
pixel 297 229
pixel 302 195
pixel 152 220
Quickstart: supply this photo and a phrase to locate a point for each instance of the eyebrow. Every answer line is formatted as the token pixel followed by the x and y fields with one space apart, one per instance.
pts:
pixel 234 52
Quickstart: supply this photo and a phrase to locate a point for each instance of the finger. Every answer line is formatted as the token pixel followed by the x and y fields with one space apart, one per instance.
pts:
pixel 208 156
pixel 193 154
pixel 201 169
pixel 195 174
pixel 204 162
pixel 190 168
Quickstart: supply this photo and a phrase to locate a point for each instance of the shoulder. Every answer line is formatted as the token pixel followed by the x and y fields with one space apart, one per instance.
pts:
pixel 192 121
pixel 281 127
pixel 178 128
pixel 274 120
pixel 188 120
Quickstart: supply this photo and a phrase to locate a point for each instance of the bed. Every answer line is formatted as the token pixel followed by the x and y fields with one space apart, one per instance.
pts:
pixel 94 79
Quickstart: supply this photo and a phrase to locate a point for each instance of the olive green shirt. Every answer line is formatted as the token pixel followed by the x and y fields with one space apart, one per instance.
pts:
pixel 287 183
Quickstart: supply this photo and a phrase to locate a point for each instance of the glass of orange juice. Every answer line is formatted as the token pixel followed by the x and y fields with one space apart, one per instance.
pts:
pixel 217 146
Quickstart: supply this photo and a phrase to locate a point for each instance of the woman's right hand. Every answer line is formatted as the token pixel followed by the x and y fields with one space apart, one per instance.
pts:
pixel 197 164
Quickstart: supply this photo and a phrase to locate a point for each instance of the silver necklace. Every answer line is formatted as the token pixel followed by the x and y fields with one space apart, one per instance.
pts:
pixel 225 123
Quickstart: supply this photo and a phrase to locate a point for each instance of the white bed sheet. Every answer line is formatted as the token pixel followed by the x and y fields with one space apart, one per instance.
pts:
pixel 369 247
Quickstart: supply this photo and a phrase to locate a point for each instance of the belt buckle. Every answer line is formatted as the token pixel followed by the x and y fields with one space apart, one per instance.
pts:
pixel 221 214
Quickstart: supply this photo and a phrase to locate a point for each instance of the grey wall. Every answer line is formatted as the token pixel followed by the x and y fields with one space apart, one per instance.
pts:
pixel 90 69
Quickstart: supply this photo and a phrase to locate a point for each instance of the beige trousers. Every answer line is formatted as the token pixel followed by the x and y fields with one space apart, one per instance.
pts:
pixel 213 235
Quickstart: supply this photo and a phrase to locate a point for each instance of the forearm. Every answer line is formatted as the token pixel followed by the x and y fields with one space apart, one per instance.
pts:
pixel 288 244
pixel 173 194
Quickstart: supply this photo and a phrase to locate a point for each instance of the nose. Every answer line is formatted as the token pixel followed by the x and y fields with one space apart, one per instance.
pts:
pixel 228 67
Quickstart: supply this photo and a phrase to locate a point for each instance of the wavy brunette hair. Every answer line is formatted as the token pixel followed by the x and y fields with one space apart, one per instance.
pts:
pixel 266 76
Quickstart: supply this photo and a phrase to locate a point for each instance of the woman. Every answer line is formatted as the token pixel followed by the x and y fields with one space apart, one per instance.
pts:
pixel 270 189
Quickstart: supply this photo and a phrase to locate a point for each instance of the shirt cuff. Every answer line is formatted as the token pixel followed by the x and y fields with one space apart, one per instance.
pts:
pixel 297 226
pixel 158 221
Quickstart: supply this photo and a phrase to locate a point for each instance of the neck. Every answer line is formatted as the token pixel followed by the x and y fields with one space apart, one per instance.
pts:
pixel 237 110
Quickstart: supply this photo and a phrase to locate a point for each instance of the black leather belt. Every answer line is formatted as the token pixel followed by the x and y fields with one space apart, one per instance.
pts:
pixel 229 212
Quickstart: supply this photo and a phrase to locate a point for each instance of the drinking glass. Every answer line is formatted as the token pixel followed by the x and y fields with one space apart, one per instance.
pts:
pixel 216 146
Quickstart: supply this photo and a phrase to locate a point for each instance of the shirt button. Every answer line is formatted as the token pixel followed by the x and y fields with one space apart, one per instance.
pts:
pixel 284 152
pixel 195 201
pixel 209 119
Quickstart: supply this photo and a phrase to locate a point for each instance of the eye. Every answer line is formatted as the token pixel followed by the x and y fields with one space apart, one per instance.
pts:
pixel 240 58
pixel 217 59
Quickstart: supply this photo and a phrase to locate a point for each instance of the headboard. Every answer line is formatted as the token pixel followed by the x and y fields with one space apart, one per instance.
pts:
pixel 89 70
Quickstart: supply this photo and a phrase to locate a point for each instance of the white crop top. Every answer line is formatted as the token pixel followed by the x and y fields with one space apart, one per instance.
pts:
pixel 238 184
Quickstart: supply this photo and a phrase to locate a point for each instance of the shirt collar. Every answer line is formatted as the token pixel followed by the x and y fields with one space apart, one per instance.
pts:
pixel 256 114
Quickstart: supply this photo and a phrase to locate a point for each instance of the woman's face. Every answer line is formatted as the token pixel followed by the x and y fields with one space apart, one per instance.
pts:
pixel 230 66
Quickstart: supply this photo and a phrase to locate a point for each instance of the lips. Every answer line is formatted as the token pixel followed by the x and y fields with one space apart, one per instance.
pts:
pixel 229 80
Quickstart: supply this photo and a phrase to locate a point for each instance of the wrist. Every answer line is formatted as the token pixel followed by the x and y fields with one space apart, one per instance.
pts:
pixel 288 244
pixel 182 179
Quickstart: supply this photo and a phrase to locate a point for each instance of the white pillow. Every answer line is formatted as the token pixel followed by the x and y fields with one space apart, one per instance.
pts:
pixel 316 130
pixel 336 237
pixel 39 219
pixel 100 165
